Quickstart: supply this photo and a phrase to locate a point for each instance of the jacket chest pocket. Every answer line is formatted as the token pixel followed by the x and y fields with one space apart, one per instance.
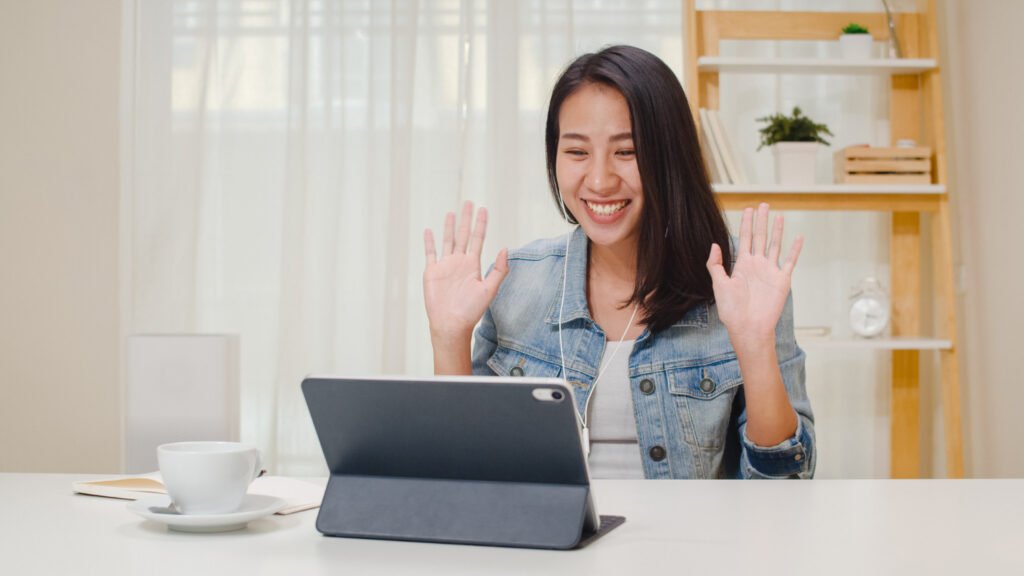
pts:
pixel 509 362
pixel 703 396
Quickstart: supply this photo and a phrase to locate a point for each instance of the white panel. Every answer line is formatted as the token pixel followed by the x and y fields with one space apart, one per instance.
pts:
pixel 178 387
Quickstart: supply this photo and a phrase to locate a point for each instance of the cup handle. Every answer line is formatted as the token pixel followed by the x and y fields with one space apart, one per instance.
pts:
pixel 257 470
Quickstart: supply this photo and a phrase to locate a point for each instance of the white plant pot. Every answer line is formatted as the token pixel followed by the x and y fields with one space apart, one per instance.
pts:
pixel 795 162
pixel 856 46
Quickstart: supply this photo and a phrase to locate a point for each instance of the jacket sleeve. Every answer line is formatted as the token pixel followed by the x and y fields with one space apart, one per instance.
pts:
pixel 485 341
pixel 794 457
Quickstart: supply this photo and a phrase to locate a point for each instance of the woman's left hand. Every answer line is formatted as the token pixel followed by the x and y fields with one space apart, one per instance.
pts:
pixel 750 301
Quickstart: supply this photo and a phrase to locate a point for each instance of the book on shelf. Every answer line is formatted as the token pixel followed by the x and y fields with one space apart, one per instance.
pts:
pixel 715 163
pixel 299 494
pixel 732 166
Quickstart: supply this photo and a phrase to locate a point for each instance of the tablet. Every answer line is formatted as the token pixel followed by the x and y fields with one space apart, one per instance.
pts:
pixel 470 460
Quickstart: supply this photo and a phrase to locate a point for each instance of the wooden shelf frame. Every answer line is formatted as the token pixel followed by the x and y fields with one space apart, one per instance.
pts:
pixel 916 113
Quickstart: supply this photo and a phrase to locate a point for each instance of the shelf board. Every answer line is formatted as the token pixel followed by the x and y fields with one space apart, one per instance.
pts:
pixel 891 343
pixel 830 189
pixel 835 197
pixel 883 66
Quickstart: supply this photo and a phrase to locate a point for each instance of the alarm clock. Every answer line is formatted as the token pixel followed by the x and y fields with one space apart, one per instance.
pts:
pixel 869 309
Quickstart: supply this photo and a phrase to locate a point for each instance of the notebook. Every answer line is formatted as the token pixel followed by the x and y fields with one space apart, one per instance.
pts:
pixel 299 494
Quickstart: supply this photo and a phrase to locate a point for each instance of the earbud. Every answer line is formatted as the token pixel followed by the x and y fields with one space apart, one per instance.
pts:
pixel 565 275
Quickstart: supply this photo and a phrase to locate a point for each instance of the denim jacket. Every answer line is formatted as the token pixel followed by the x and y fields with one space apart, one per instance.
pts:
pixel 685 380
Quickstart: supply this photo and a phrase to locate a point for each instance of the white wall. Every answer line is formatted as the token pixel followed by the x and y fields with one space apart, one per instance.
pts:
pixel 59 354
pixel 59 190
pixel 984 83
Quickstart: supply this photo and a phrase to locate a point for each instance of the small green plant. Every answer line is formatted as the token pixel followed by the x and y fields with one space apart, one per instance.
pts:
pixel 795 128
pixel 854 28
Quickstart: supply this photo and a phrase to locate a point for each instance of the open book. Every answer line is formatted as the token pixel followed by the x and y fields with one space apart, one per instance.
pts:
pixel 300 494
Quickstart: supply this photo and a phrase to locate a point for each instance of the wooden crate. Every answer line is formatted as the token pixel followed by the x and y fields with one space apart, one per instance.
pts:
pixel 870 165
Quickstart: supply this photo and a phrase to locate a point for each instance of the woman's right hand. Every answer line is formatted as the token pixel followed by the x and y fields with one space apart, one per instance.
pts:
pixel 455 293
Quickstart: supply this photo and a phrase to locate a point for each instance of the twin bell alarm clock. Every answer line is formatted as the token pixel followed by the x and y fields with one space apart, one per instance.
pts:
pixel 869 309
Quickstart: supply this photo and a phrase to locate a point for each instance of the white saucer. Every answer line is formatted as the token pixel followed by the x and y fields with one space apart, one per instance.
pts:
pixel 253 506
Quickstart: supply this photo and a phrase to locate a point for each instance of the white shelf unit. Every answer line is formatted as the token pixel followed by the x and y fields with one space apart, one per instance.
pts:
pixel 848 343
pixel 881 66
pixel 830 189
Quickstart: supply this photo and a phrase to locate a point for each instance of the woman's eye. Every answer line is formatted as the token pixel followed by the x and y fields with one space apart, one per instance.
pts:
pixel 579 153
pixel 629 153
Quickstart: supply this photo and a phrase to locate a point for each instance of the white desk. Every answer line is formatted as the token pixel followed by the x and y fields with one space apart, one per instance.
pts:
pixel 863 527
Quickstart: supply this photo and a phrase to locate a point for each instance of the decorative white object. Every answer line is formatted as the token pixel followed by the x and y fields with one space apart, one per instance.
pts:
pixel 856 46
pixel 795 162
pixel 179 387
pixel 869 309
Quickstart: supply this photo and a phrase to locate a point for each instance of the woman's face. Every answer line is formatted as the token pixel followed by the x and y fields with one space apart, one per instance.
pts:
pixel 596 165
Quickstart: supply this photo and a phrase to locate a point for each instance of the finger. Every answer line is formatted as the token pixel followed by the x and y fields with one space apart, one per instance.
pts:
pixel 428 244
pixel 449 234
pixel 498 273
pixel 776 244
pixel 462 236
pixel 761 229
pixel 794 254
pixel 745 225
pixel 476 239
pixel 714 264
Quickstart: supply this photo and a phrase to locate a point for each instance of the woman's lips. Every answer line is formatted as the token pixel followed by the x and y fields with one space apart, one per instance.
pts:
pixel 606 212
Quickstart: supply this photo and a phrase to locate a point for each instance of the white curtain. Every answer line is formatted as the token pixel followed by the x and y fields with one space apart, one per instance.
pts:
pixel 286 156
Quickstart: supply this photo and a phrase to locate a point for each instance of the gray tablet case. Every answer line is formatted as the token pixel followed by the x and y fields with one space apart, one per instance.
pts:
pixel 455 460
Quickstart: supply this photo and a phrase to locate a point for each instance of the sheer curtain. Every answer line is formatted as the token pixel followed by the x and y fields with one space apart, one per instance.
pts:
pixel 287 155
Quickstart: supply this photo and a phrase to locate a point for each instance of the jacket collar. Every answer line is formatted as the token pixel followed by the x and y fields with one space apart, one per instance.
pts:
pixel 576 308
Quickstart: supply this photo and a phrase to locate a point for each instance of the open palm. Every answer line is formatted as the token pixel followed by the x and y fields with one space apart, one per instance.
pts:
pixel 751 299
pixel 455 293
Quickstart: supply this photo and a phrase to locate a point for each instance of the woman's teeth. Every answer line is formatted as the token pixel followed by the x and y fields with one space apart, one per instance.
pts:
pixel 606 209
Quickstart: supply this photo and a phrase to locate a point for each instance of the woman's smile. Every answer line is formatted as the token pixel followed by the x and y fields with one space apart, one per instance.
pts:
pixel 605 211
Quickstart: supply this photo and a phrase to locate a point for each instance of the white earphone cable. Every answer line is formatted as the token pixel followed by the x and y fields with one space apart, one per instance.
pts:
pixel 582 418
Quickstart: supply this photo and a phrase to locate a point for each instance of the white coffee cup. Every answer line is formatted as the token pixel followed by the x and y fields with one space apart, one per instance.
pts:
pixel 208 477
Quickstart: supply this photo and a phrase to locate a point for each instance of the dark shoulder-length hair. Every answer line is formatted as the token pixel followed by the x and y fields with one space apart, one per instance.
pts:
pixel 681 217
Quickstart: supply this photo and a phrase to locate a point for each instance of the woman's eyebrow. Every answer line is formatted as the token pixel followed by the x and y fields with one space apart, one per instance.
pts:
pixel 616 138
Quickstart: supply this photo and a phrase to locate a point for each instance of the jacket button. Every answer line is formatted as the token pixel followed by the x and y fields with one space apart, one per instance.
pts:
pixel 516 371
pixel 647 387
pixel 657 453
pixel 707 385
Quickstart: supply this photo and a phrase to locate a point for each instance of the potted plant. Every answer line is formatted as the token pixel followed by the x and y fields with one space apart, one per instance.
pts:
pixel 794 141
pixel 855 42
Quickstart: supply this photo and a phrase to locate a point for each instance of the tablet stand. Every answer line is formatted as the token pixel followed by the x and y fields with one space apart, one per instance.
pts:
pixel 524 515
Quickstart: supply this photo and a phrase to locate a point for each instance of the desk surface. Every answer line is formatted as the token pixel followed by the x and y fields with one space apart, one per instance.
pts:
pixel 673 527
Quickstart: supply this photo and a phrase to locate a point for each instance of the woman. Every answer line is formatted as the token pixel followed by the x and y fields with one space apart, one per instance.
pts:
pixel 679 345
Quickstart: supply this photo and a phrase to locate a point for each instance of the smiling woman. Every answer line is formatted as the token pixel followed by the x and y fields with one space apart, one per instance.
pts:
pixel 596 169
pixel 633 100
pixel 709 381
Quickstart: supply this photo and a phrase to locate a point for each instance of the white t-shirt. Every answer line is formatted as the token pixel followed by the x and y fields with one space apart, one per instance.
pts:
pixel 614 447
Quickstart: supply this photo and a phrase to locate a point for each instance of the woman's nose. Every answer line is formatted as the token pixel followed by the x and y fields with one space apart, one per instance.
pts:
pixel 601 179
